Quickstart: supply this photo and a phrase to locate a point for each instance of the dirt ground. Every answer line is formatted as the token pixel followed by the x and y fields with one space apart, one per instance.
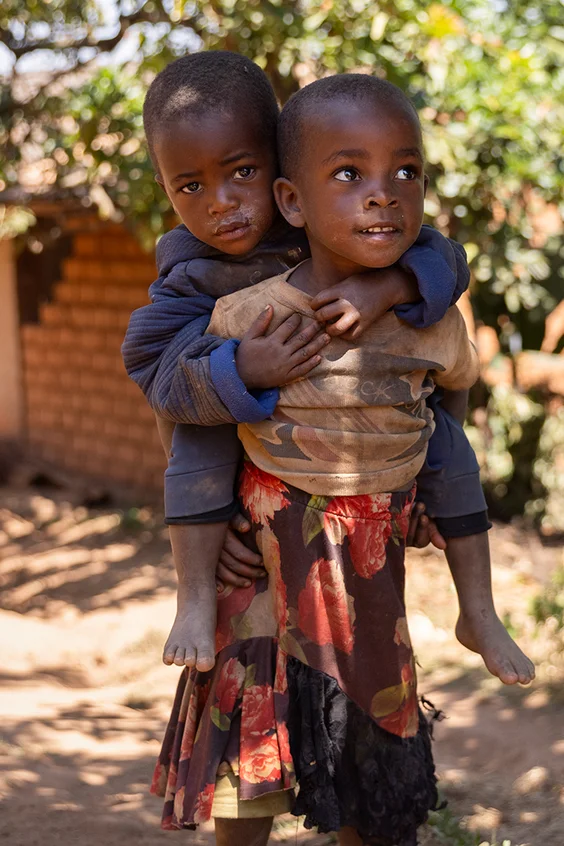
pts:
pixel 87 595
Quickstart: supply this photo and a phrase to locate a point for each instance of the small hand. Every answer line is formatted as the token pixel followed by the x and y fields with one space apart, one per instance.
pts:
pixel 340 316
pixel 353 305
pixel 422 530
pixel 238 566
pixel 287 354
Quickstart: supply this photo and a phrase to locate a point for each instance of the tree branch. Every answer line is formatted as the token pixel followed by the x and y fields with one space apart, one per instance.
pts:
pixel 19 49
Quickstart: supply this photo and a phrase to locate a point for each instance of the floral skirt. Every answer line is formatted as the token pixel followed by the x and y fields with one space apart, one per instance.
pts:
pixel 314 685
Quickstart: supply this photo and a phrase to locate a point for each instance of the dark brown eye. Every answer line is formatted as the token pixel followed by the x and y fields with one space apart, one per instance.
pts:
pixel 245 172
pixel 407 172
pixel 347 174
pixel 191 188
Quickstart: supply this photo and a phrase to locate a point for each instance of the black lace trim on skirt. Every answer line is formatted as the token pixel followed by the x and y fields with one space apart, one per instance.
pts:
pixel 350 771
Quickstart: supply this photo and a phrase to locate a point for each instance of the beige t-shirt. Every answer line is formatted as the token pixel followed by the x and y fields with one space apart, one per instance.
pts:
pixel 358 423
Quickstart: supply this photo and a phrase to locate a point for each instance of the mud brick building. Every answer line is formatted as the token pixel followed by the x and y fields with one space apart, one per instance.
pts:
pixel 64 393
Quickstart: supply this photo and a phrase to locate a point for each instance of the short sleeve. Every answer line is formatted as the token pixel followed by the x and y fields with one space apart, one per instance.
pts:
pixel 460 358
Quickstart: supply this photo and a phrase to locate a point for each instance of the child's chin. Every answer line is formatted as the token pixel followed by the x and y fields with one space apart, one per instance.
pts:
pixel 376 255
pixel 240 246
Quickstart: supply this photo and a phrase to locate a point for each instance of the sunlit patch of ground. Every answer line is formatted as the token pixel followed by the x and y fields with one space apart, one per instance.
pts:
pixel 88 596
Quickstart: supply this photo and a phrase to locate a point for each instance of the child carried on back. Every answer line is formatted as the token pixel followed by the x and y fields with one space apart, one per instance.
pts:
pixel 328 485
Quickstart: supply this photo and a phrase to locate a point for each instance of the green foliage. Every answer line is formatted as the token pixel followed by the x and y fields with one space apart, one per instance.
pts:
pixel 487 77
pixel 548 470
pixel 506 444
pixel 14 221
pixel 447 829
pixel 519 443
pixel 136 520
pixel 549 604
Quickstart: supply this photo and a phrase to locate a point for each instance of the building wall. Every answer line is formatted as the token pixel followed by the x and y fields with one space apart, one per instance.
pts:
pixel 82 412
pixel 11 398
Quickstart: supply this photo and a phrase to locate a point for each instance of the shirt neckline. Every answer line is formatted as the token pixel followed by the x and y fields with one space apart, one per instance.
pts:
pixel 288 295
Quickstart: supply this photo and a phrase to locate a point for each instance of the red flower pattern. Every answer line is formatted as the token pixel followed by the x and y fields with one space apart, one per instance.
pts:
pixel 230 603
pixel 403 517
pixel 325 610
pixel 260 761
pixel 405 721
pixel 259 751
pixel 401 634
pixel 262 495
pixel 281 679
pixel 204 804
pixel 270 549
pixel 158 784
pixel 257 715
pixel 368 523
pixel 229 686
pixel 407 674
pixel 284 746
pixel 178 804
pixel 190 727
pixel 172 779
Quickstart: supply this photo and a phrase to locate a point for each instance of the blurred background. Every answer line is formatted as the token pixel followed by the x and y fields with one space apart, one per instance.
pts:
pixel 85 576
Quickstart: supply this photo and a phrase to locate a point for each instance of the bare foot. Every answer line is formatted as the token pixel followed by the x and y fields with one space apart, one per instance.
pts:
pixel 489 638
pixel 191 641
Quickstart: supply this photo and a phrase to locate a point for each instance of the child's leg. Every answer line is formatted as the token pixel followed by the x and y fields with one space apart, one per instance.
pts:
pixel 245 832
pixel 195 549
pixel 478 627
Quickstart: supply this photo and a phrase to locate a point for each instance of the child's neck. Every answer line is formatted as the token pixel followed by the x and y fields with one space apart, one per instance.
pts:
pixel 313 276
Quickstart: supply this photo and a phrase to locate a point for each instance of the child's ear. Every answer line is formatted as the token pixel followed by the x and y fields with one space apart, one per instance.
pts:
pixel 425 185
pixel 288 201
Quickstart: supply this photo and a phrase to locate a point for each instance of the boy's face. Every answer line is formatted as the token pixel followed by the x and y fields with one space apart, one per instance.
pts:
pixel 218 176
pixel 359 185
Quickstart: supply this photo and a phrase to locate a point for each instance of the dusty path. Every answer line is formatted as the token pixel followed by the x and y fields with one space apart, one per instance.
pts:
pixel 84 697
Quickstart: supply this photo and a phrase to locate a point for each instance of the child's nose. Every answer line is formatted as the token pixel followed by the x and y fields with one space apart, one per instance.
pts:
pixel 381 195
pixel 223 201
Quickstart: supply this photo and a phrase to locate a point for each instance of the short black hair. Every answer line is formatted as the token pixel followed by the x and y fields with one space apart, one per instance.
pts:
pixel 218 81
pixel 359 87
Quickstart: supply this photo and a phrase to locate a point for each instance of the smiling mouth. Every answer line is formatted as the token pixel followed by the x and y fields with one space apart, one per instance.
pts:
pixel 380 230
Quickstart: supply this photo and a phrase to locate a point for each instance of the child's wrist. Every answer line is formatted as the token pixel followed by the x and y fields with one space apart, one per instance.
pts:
pixel 246 375
pixel 404 287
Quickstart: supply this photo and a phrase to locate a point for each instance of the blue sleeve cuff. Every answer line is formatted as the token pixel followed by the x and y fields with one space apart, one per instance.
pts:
pixel 442 273
pixel 245 406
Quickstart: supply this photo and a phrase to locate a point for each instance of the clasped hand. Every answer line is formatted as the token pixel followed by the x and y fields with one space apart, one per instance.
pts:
pixel 292 350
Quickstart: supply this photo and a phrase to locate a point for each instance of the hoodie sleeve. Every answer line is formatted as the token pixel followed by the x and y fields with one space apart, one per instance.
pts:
pixel 442 273
pixel 167 353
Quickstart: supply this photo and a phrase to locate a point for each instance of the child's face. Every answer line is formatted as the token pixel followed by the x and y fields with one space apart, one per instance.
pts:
pixel 218 176
pixel 359 186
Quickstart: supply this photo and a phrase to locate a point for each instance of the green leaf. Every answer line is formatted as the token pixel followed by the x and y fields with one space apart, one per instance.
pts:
pixel 388 701
pixel 250 675
pixel 220 720
pixel 312 523
pixel 290 645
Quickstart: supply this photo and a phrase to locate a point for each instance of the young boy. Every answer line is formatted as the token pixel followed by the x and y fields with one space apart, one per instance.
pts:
pixel 216 166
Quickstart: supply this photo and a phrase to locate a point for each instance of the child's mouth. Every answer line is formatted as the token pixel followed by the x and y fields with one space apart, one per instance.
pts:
pixel 233 230
pixel 380 233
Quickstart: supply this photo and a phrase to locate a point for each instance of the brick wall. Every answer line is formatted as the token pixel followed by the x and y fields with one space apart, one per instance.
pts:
pixel 83 414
